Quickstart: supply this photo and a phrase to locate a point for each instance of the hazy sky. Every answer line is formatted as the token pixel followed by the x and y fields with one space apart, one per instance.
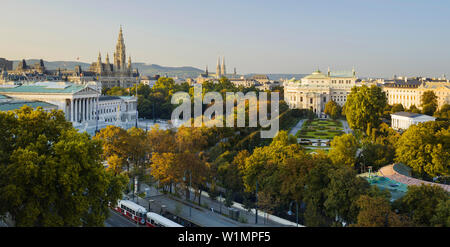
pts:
pixel 379 38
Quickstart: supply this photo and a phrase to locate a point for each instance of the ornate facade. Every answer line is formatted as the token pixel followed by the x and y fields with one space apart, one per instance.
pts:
pixel 409 92
pixel 315 90
pixel 119 73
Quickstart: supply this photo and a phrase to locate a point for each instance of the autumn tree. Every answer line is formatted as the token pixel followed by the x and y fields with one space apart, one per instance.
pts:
pixel 51 175
pixel 377 212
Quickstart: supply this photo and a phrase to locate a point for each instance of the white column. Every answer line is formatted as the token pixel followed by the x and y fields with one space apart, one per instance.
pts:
pixel 83 116
pixel 77 109
pixel 92 108
pixel 89 108
pixel 81 110
pixel 71 110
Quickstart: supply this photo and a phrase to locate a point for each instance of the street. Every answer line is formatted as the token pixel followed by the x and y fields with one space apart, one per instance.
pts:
pixel 117 220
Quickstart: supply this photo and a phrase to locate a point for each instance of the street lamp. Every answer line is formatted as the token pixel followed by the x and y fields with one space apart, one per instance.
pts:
pixel 296 211
pixel 256 203
pixel 189 192
pixel 150 201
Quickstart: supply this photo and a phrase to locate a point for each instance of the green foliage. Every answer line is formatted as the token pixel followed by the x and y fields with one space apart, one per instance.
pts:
pixel 343 191
pixel 444 112
pixel 333 109
pixel 425 205
pixel 425 148
pixel 429 103
pixel 414 109
pixel 378 147
pixel 441 217
pixel 343 150
pixel 397 108
pixel 364 107
pixel 50 174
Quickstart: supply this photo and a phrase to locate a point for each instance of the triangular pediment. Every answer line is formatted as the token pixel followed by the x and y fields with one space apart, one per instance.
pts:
pixel 87 90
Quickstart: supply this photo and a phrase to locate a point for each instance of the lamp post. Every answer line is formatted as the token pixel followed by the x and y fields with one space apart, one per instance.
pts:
pixel 256 203
pixel 150 201
pixel 296 211
pixel 188 190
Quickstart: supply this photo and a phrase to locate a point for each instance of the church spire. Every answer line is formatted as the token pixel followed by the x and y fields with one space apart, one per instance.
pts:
pixel 99 63
pixel 218 68
pixel 206 72
pixel 223 70
pixel 120 54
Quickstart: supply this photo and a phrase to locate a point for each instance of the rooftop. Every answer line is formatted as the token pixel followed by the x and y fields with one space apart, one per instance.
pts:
pixel 409 114
pixel 17 104
pixel 44 87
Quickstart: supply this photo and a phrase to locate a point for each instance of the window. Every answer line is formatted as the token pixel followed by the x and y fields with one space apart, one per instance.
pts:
pixel 311 101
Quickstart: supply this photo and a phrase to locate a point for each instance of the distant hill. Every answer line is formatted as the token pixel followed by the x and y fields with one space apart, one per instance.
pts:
pixel 148 69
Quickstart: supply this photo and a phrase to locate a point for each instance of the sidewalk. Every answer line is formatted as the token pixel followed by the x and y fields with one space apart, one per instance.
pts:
pixel 207 216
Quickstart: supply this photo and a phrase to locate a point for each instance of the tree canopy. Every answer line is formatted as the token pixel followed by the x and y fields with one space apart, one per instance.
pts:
pixel 51 175
pixel 429 102
pixel 425 148
pixel 333 109
pixel 364 107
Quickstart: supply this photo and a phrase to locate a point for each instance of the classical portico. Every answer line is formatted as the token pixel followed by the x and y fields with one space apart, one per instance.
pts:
pixel 76 101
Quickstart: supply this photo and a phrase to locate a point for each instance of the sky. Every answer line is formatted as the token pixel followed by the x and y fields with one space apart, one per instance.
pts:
pixel 378 38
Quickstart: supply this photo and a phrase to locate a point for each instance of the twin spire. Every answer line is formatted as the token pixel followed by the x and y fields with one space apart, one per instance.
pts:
pixel 220 69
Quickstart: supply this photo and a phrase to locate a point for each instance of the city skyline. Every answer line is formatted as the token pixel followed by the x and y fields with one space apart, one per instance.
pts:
pixel 403 38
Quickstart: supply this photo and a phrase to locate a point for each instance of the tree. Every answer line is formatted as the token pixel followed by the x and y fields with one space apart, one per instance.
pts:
pixel 425 205
pixel 113 141
pixel 51 175
pixel 333 109
pixel 378 147
pixel 364 107
pixel 429 102
pixel 441 216
pixel 164 169
pixel 342 192
pixel 425 148
pixel 414 109
pixel 343 150
pixel 397 108
pixel 376 212
pixel 444 112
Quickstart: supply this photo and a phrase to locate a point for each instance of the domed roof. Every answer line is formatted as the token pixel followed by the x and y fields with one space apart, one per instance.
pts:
pixel 316 75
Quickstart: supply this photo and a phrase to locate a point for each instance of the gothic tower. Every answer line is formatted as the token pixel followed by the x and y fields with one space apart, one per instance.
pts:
pixel 99 64
pixel 108 65
pixel 218 68
pixel 129 64
pixel 223 71
pixel 120 55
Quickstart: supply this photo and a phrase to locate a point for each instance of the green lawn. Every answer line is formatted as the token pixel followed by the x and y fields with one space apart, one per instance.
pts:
pixel 320 129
